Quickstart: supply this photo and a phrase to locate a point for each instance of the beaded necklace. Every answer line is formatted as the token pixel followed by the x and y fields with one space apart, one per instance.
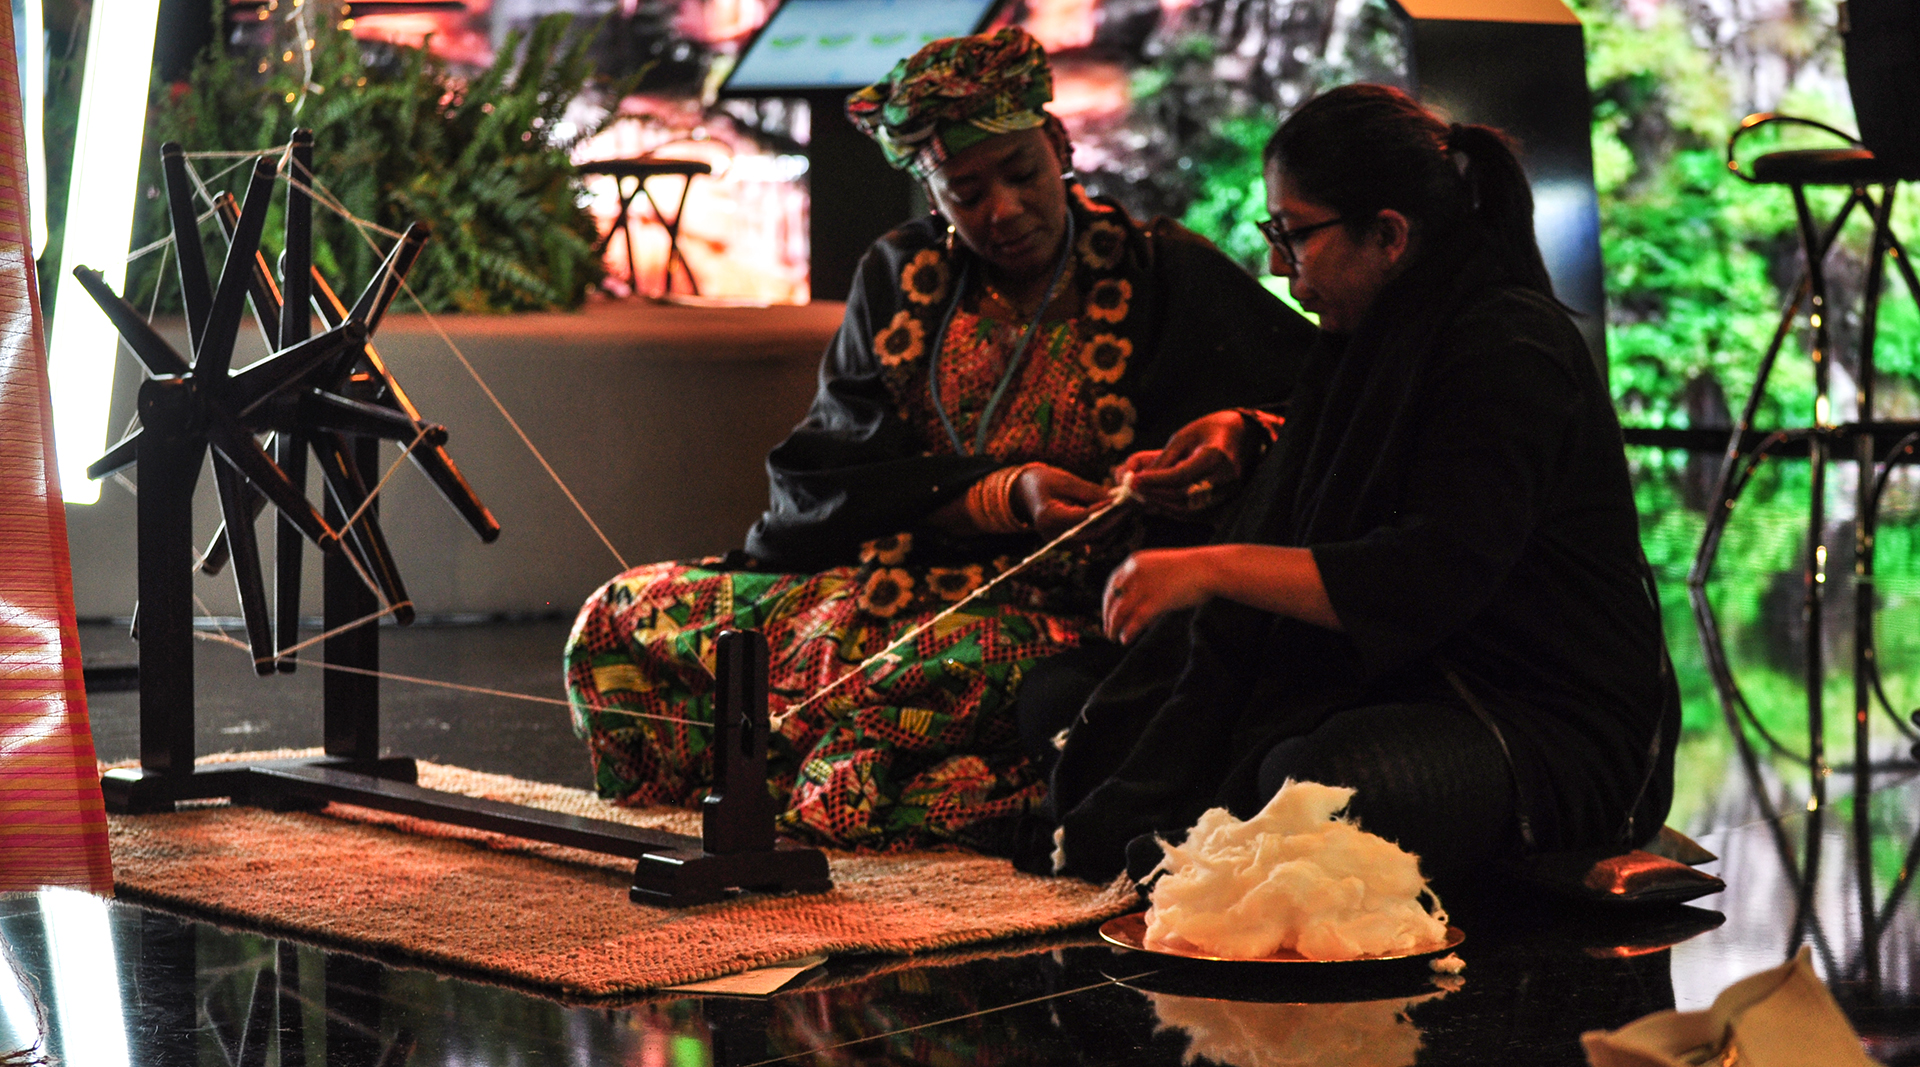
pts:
pixel 1013 364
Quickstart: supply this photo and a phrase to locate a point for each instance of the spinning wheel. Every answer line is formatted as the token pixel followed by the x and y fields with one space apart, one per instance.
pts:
pixel 332 396
pixel 329 394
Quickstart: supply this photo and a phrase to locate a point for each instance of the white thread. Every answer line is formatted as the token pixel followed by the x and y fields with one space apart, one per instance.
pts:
pixel 153 304
pixel 957 1018
pixel 133 421
pixel 354 561
pixel 336 205
pixel 207 612
pixel 524 439
pixel 1121 494
pixel 481 382
pixel 201 188
pixel 294 650
pixel 255 154
pixel 194 172
pixel 365 578
pixel 162 243
pixel 221 638
pixel 382 483
pixel 224 637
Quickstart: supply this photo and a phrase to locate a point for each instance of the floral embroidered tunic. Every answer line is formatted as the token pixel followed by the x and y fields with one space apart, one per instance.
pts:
pixel 923 749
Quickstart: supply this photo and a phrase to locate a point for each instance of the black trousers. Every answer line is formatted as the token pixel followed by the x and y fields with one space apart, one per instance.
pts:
pixel 1429 777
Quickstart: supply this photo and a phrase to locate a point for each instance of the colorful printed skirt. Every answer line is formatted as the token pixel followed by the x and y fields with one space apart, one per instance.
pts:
pixel 922 750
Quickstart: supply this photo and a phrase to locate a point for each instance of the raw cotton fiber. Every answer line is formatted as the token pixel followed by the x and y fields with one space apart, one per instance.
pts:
pixel 1296 877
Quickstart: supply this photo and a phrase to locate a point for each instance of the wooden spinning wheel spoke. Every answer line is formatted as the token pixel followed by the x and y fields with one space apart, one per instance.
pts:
pixel 295 326
pixel 118 458
pixel 363 537
pixel 213 353
pixel 215 558
pixel 272 377
pixel 322 410
pixel 145 341
pixel 189 257
pixel 391 277
pixel 433 461
pixel 238 447
pixel 231 484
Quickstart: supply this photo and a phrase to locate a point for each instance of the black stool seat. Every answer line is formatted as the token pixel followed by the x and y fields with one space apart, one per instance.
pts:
pixel 1824 166
pixel 646 168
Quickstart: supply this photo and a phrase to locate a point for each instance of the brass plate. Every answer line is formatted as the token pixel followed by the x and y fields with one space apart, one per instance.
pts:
pixel 1130 931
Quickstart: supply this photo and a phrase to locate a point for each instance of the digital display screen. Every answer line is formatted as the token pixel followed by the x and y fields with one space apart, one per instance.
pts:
pixel 846 44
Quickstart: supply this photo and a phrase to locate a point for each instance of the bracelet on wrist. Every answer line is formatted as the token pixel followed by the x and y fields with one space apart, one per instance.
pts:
pixel 990 502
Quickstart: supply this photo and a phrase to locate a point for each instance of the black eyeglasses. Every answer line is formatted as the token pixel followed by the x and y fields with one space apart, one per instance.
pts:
pixel 1282 239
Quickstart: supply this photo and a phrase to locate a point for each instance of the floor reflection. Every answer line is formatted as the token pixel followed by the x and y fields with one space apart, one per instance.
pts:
pixel 194 993
pixel 1371 1033
pixel 118 983
pixel 1809 862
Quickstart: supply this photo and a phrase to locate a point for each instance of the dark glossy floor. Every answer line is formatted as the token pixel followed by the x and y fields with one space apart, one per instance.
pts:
pixel 112 983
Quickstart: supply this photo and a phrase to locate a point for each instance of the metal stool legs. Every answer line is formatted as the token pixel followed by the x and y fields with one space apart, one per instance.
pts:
pixel 1875 446
pixel 673 239
pixel 640 170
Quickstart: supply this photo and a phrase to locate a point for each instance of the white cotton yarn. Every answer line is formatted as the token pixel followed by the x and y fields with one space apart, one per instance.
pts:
pixel 1296 877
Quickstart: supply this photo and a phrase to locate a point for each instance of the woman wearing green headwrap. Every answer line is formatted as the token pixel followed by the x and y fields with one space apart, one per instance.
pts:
pixel 997 360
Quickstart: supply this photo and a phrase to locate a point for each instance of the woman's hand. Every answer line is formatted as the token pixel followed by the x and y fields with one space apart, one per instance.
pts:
pixel 1199 460
pixel 1052 500
pixel 1150 584
pixel 1282 580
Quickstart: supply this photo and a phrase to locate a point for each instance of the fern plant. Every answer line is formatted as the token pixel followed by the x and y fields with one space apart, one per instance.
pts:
pixel 400 138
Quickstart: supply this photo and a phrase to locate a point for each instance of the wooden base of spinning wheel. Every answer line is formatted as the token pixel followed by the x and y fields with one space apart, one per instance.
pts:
pixel 737 851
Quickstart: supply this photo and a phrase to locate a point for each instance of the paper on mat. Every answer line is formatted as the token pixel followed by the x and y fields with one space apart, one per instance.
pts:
pixel 755 983
pixel 1783 1017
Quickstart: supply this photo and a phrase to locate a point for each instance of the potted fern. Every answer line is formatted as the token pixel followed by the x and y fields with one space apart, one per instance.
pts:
pixel 401 137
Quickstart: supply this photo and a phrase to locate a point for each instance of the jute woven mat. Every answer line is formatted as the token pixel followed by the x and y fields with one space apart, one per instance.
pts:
pixel 552 917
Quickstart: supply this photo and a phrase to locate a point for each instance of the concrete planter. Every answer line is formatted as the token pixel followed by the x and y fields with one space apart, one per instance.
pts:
pixel 657 417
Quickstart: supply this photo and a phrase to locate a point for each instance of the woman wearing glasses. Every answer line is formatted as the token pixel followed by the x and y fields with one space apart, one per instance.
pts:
pixel 1432 589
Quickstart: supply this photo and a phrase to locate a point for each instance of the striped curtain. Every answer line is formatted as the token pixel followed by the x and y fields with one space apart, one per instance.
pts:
pixel 53 829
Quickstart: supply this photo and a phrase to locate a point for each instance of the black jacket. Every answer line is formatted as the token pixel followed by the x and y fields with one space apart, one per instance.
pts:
pixel 1457 471
pixel 1205 337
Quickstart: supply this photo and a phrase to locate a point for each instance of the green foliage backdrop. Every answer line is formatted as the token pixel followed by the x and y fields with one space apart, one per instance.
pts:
pixel 1696 261
pixel 399 138
pixel 1697 266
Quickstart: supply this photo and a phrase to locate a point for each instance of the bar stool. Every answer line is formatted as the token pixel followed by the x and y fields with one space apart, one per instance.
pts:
pixel 1883 76
pixel 640 170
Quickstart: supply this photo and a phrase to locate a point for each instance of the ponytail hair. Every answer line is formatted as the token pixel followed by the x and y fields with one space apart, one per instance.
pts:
pixel 1363 149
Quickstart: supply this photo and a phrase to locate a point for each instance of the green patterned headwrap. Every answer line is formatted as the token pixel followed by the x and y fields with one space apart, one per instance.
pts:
pixel 953 94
